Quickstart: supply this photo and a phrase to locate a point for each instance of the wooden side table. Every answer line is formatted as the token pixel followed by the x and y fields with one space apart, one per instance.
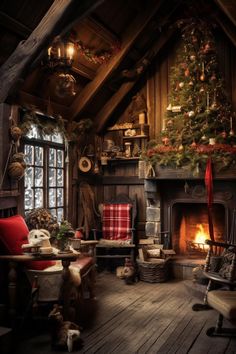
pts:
pixel 14 260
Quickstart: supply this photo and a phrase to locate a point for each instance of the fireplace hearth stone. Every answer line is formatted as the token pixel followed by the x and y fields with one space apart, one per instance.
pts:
pixel 182 268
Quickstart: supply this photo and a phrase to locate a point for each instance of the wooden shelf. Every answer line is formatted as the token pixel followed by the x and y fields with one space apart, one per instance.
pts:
pixel 135 137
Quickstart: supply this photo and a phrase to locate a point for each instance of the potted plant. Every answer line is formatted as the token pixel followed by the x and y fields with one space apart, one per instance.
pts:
pixel 64 234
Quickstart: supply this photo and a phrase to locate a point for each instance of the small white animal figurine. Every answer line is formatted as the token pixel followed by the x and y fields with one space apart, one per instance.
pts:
pixel 39 238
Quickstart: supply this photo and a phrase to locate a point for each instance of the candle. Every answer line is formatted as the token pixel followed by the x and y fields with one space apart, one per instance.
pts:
pixel 49 52
pixel 141 117
pixel 231 123
pixel 59 52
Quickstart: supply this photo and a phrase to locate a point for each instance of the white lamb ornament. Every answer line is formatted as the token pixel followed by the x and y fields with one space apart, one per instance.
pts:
pixel 39 238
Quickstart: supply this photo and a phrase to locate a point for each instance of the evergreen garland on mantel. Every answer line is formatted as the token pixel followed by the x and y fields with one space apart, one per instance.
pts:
pixel 199 120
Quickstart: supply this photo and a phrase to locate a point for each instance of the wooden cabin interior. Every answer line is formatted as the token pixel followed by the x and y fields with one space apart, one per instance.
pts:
pixel 117 136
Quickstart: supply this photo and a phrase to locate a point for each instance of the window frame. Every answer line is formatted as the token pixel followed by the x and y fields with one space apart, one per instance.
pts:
pixel 46 145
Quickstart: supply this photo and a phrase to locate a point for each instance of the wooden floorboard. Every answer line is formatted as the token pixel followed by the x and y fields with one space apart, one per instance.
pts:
pixel 141 318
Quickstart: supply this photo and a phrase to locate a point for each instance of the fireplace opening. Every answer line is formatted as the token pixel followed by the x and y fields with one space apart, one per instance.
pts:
pixel 190 227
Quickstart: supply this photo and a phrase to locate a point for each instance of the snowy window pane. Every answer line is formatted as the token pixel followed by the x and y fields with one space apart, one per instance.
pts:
pixel 60 197
pixel 60 178
pixel 60 158
pixel 38 177
pixel 29 154
pixel 60 214
pixel 52 177
pixel 38 156
pixel 52 157
pixel 33 132
pixel 57 138
pixel 29 198
pixel 52 197
pixel 38 198
pixel 29 177
pixel 53 212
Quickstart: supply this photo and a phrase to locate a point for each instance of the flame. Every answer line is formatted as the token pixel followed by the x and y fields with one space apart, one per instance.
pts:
pixel 201 236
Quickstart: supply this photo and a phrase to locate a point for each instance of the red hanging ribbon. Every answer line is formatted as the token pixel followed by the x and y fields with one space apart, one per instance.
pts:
pixel 209 188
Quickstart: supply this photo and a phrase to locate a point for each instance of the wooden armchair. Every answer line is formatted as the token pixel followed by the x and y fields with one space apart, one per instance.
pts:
pixel 117 237
pixel 223 299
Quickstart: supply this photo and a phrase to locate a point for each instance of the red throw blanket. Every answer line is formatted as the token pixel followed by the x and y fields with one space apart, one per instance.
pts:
pixel 116 222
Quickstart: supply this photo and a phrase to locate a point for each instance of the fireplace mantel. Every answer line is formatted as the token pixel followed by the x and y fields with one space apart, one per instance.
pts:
pixel 167 173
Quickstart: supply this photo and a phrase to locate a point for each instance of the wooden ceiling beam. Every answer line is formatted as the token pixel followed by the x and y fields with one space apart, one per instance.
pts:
pixel 229 8
pixel 41 104
pixel 84 71
pixel 105 113
pixel 14 25
pixel 19 62
pixel 228 28
pixel 129 37
pixel 101 31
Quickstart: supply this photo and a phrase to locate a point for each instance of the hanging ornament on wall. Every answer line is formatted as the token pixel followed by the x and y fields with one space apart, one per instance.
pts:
pixel 65 85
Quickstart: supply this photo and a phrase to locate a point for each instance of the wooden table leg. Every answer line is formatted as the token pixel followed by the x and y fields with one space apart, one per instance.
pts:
pixel 12 280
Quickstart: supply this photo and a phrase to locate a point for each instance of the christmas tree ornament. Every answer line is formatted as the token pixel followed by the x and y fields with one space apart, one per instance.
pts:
pixel 214 106
pixel 190 83
pixel 169 123
pixel 181 84
pixel 231 133
pixel 204 137
pixel 203 76
pixel 213 77
pixel 202 90
pixel 212 141
pixel 180 148
pixel 187 72
pixel 165 140
pixel 224 134
pixel 207 48
pixel 192 57
pixel 194 39
pixel 191 114
pixel 193 145
pixel 169 107
pixel 176 109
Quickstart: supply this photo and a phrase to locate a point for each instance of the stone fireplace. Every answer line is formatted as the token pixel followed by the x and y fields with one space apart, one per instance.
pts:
pixel 177 213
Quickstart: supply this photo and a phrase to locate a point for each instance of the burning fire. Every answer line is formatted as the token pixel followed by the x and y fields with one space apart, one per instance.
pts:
pixel 201 236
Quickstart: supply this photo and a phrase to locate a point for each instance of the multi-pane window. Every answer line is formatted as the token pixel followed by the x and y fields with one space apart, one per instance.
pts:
pixel 45 173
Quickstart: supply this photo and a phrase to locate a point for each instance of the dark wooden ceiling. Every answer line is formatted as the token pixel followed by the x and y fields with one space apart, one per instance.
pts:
pixel 134 32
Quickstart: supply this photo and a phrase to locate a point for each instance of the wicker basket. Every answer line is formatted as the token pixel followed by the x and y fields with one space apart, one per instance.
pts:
pixel 153 272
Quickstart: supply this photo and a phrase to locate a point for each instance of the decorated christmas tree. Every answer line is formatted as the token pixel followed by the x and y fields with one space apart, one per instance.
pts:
pixel 199 118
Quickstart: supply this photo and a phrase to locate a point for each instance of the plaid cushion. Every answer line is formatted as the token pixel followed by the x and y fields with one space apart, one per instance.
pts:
pixel 116 222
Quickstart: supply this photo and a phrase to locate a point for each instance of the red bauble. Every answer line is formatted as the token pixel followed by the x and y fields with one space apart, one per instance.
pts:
pixel 165 140
pixel 187 72
pixel 224 134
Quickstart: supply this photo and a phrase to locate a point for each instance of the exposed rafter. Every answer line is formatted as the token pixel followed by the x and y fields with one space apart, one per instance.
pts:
pixel 129 37
pixel 100 30
pixel 12 70
pixel 26 99
pixel 84 71
pixel 14 25
pixel 229 8
pixel 105 113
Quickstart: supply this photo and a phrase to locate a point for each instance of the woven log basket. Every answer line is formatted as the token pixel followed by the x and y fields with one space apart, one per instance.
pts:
pixel 153 272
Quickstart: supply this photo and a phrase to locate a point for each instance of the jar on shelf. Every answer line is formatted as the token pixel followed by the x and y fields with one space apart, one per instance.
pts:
pixel 127 149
